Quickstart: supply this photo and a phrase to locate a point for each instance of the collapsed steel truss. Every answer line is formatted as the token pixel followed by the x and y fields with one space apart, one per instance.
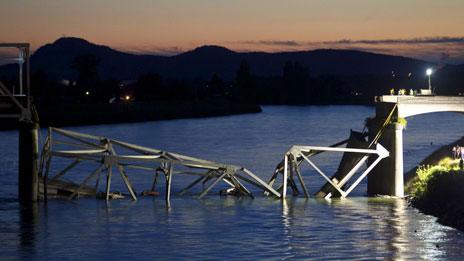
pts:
pixel 294 157
pixel 103 151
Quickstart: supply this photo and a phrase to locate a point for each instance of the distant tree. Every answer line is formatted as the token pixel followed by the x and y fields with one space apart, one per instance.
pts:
pixel 107 90
pixel 244 84
pixel 296 80
pixel 45 91
pixel 180 90
pixel 215 86
pixel 150 87
pixel 87 68
pixel 40 83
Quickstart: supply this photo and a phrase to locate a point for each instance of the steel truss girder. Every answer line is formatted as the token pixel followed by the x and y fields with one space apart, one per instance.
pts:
pixel 82 147
pixel 297 154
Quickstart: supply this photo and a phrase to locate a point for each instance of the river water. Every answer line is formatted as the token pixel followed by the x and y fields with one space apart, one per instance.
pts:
pixel 227 227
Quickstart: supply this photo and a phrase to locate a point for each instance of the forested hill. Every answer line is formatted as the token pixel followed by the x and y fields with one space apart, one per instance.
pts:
pixel 98 73
pixel 55 60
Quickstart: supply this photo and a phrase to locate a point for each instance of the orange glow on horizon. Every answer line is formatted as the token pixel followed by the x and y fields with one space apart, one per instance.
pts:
pixel 174 26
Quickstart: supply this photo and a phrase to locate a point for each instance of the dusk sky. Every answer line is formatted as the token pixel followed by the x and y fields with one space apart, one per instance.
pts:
pixel 423 29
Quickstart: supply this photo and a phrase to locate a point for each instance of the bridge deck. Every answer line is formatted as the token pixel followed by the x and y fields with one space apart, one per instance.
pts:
pixel 410 105
pixel 412 99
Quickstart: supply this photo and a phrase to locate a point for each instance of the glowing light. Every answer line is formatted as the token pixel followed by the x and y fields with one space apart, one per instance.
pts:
pixel 87 93
pixel 429 72
pixel 127 97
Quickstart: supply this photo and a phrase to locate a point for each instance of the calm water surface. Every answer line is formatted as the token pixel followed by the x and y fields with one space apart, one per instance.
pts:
pixel 234 228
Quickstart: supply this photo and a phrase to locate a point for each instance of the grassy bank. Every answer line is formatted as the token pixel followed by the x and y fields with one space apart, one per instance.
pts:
pixel 411 176
pixel 438 191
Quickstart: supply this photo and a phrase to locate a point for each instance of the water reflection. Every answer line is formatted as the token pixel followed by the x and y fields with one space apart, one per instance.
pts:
pixel 391 221
pixel 399 224
pixel 29 218
pixel 228 227
pixel 361 227
pixel 286 229
pixel 235 228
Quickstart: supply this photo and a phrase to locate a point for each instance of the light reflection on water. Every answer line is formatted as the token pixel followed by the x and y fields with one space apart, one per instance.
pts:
pixel 230 228
pixel 234 228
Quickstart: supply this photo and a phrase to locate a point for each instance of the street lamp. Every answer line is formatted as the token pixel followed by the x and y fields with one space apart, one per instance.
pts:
pixel 429 73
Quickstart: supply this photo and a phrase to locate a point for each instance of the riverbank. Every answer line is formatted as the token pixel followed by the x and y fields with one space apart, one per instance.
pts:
pixel 433 159
pixel 98 113
pixel 436 186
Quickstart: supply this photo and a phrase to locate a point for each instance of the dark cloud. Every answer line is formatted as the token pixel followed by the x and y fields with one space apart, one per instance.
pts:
pixel 280 43
pixel 442 49
pixel 423 40
pixel 165 51
pixel 272 43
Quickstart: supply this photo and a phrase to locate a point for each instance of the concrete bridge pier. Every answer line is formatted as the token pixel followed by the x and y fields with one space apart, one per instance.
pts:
pixel 28 180
pixel 387 177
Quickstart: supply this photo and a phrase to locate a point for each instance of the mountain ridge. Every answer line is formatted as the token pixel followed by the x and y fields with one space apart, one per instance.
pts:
pixel 204 61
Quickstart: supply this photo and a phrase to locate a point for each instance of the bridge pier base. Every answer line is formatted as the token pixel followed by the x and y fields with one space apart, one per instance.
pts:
pixel 28 180
pixel 387 177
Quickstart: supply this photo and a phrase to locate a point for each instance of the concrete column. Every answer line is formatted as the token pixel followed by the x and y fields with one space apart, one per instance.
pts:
pixel 28 162
pixel 387 177
pixel 398 180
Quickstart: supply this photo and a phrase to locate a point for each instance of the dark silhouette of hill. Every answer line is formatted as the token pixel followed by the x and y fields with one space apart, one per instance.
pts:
pixel 203 62
pixel 55 60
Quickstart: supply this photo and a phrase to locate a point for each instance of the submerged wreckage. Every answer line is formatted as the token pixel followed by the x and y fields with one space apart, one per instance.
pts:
pixel 355 156
pixel 109 155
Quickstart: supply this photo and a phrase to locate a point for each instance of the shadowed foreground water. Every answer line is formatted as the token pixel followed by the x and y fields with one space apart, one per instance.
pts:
pixel 228 227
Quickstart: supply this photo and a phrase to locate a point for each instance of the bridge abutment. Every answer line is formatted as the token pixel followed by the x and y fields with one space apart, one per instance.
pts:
pixel 387 177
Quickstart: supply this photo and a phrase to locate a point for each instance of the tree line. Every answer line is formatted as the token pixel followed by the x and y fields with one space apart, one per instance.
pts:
pixel 295 86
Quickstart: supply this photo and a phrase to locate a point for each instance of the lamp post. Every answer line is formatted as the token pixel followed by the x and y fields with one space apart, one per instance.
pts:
pixel 429 73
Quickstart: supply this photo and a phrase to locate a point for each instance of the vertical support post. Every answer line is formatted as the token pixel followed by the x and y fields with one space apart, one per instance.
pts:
pixel 108 181
pixel 290 177
pixel 45 177
pixel 21 66
pixel 47 164
pixel 28 77
pixel 398 190
pixel 168 185
pixel 284 188
pixel 28 180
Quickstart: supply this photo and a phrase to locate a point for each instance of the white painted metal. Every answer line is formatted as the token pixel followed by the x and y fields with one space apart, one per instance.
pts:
pixel 102 150
pixel 284 189
pixel 305 152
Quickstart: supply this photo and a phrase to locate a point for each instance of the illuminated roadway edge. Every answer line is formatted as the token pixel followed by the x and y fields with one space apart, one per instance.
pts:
pixel 409 105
